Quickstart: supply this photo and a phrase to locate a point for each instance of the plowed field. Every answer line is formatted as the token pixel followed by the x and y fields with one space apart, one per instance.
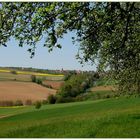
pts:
pixel 54 84
pixel 23 91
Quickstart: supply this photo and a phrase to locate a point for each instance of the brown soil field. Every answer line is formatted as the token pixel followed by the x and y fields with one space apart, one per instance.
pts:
pixel 54 84
pixel 102 88
pixel 23 91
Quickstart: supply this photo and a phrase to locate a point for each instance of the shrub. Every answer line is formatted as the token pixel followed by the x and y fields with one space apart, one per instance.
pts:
pixel 18 103
pixel 51 99
pixel 60 99
pixel 28 102
pixel 36 80
pixel 33 78
pixel 39 81
pixel 13 72
pixel 37 104
pixel 75 85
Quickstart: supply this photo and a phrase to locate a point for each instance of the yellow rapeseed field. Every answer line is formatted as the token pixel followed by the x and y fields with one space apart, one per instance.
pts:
pixel 33 73
pixel 4 70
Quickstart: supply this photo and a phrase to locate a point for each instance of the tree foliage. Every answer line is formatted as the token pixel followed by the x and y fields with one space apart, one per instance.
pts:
pixel 76 85
pixel 107 32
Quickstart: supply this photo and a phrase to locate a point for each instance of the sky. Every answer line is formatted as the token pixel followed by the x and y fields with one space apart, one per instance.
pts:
pixel 16 56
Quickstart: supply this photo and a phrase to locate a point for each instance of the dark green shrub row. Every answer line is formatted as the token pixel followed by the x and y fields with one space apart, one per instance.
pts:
pixel 15 103
pixel 60 99
pixel 6 103
pixel 11 103
pixel 53 99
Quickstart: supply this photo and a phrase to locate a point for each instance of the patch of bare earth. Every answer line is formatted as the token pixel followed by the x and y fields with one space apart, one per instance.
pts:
pixel 54 84
pixel 23 91
pixel 103 88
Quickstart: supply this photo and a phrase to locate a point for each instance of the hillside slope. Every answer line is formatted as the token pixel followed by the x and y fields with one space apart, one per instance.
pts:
pixel 10 90
pixel 101 118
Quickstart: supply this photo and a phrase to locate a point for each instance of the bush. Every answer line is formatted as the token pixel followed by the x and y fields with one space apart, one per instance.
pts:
pixel 33 78
pixel 51 99
pixel 36 80
pixel 60 99
pixel 18 103
pixel 76 85
pixel 39 81
pixel 28 102
pixel 13 72
pixel 37 104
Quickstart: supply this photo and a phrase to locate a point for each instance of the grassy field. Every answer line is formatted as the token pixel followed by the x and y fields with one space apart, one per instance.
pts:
pixel 101 118
pixel 14 77
pixel 102 115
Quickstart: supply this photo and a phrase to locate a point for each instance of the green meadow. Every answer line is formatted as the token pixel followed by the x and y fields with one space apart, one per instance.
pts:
pixel 113 118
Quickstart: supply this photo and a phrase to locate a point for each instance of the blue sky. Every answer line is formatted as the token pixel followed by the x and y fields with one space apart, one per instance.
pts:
pixel 57 59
